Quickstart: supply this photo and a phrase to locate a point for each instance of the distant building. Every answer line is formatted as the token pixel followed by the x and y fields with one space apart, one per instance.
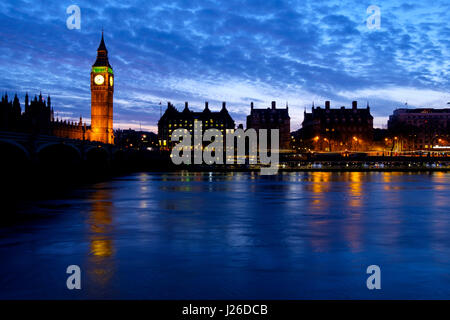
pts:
pixel 327 129
pixel 272 118
pixel 137 140
pixel 419 129
pixel 173 119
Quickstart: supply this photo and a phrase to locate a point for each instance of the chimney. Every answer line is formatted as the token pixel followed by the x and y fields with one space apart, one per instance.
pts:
pixel 327 105
pixel 186 104
pixel 251 105
pixel 224 105
pixel 273 104
pixel 354 105
pixel 206 104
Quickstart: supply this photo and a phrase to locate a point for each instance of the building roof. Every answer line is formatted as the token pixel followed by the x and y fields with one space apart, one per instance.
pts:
pixel 268 114
pixel 172 113
pixel 333 114
pixel 102 55
pixel 421 110
pixel 102 46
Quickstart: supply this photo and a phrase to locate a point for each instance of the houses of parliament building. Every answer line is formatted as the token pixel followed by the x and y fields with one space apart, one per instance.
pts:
pixel 38 114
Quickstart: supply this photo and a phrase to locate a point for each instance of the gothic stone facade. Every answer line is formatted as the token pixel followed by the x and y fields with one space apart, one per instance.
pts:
pixel 38 116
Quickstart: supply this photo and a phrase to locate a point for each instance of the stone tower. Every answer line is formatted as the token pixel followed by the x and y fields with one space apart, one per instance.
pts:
pixel 102 91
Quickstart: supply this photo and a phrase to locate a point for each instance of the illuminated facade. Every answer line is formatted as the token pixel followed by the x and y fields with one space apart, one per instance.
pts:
pixel 419 129
pixel 173 119
pixel 272 118
pixel 102 91
pixel 340 129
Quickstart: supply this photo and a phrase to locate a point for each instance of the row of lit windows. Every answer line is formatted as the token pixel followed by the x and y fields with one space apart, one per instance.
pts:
pixel 441 123
pixel 190 124
pixel 181 121
pixel 165 142
pixel 269 120
pixel 223 131
pixel 347 129
pixel 165 131
pixel 344 120
pixel 429 116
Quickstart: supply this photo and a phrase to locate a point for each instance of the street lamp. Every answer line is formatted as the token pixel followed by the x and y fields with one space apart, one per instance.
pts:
pixel 355 139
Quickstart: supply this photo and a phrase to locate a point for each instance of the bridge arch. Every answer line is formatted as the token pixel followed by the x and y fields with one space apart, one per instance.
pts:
pixel 58 155
pixel 50 144
pixel 15 158
pixel 8 142
pixel 97 157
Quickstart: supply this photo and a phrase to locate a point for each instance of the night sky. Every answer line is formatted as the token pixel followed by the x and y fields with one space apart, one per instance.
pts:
pixel 235 51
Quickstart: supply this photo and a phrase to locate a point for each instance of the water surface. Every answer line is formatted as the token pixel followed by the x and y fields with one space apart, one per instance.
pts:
pixel 235 236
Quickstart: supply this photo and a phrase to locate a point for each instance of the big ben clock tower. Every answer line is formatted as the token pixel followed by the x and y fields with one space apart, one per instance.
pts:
pixel 102 91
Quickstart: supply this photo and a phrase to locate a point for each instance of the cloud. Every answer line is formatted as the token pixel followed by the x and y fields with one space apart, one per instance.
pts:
pixel 237 51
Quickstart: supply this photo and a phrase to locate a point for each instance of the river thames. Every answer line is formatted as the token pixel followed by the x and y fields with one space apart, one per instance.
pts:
pixel 234 236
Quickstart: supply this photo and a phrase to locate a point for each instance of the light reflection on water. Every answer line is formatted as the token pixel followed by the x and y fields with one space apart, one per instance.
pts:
pixel 236 235
pixel 100 264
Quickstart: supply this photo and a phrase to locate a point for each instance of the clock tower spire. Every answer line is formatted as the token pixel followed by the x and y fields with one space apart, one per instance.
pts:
pixel 102 91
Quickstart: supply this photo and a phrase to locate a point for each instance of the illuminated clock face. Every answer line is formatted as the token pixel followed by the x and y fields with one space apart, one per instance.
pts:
pixel 111 81
pixel 99 79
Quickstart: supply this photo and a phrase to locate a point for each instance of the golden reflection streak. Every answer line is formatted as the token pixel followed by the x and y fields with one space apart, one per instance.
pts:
pixel 440 222
pixel 355 189
pixel 387 179
pixel 320 182
pixel 319 205
pixel 352 228
pixel 100 260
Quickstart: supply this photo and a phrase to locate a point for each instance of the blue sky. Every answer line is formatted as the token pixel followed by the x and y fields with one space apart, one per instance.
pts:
pixel 234 51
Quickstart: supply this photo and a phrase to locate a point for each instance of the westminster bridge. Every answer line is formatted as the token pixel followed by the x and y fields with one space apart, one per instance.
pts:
pixel 19 151
pixel 18 148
